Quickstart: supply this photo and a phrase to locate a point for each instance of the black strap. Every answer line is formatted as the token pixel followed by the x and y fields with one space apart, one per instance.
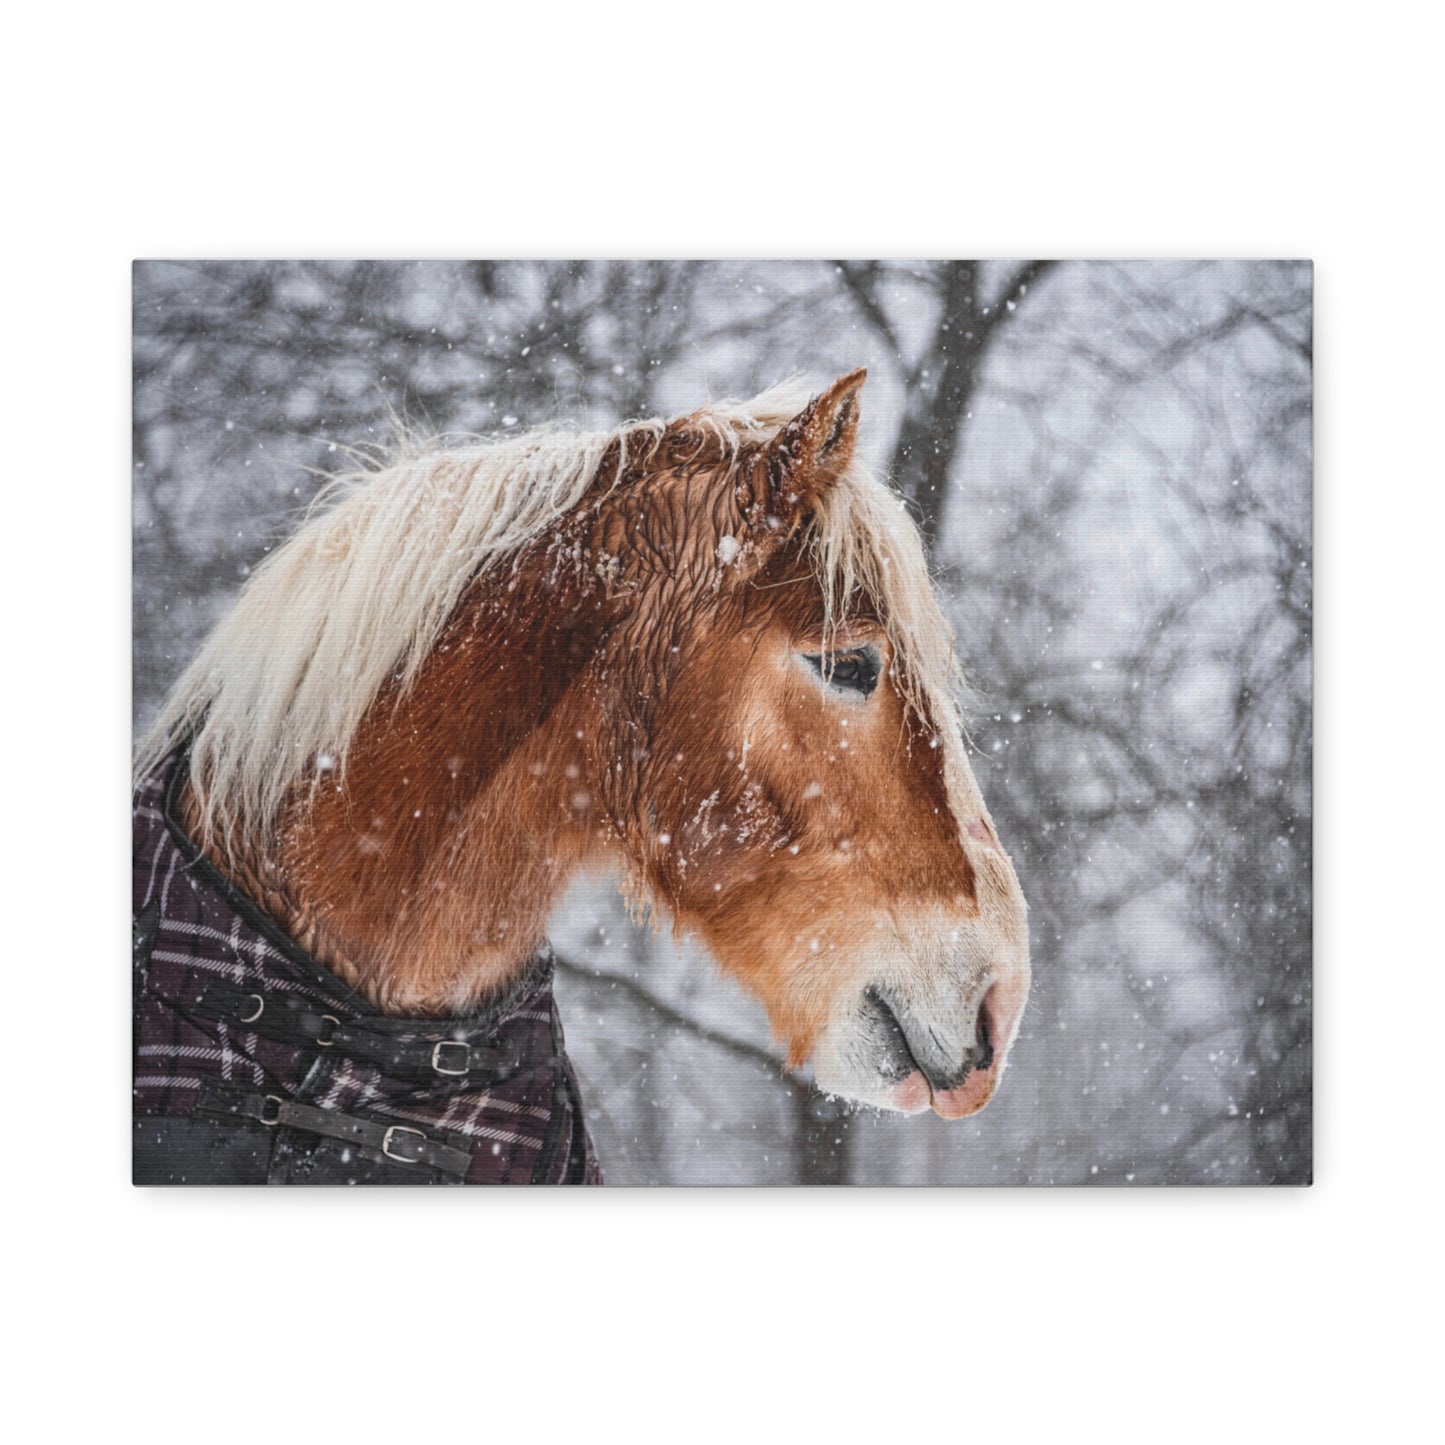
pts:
pixel 403 1143
pixel 292 1021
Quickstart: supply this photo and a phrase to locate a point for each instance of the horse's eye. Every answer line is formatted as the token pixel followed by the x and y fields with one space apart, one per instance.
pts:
pixel 854 671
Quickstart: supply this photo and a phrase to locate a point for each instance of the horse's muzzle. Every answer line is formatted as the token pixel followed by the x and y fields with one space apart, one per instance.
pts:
pixel 924 1064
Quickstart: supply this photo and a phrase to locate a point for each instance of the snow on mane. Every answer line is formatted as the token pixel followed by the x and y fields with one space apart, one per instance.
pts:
pixel 359 594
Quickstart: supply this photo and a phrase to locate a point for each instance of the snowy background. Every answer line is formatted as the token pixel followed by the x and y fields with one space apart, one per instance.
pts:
pixel 1111 463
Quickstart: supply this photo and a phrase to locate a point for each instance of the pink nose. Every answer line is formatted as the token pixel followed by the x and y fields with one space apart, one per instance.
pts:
pixel 913 1095
pixel 983 833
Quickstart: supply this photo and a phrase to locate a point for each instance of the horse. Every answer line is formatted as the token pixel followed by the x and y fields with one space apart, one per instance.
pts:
pixel 704 650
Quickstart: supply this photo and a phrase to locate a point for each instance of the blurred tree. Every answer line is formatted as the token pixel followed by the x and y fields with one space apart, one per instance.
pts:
pixel 965 307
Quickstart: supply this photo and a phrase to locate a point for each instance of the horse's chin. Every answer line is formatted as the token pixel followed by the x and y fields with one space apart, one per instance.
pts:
pixel 912 1094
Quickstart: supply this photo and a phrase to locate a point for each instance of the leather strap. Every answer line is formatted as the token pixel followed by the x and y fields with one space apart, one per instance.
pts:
pixel 292 1021
pixel 403 1143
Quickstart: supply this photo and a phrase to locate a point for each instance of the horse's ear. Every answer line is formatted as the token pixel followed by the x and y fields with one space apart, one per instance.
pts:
pixel 809 454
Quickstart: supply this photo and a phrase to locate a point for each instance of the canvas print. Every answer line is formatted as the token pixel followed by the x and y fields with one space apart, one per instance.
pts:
pixel 661 722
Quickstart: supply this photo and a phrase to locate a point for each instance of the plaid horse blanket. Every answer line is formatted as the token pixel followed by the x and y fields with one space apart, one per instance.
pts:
pixel 256 1065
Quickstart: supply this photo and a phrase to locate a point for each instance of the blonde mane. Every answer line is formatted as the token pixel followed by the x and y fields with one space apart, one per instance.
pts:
pixel 359 595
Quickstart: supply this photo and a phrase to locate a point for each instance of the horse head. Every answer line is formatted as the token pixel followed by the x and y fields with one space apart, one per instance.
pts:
pixel 707 649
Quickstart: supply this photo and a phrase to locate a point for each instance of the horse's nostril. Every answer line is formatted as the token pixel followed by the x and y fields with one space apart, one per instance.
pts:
pixel 983 1041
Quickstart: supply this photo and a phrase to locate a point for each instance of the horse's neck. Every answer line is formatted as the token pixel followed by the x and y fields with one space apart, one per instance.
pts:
pixel 425 877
